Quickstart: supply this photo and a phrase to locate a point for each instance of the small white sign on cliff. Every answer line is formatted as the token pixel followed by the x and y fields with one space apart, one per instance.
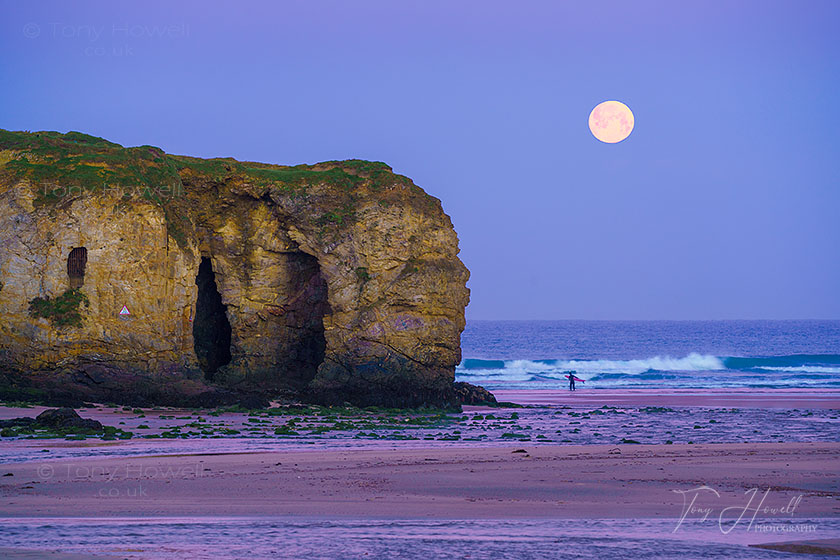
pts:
pixel 124 311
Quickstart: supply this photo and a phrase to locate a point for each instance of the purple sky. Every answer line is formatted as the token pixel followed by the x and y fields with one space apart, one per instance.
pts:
pixel 723 203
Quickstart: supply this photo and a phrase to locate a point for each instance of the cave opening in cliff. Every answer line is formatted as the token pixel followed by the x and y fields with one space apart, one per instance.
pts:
pixel 76 263
pixel 211 328
pixel 304 306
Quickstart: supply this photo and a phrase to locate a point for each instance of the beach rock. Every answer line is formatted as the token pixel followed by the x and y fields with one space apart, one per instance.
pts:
pixel 17 422
pixel 467 393
pixel 63 418
pixel 132 276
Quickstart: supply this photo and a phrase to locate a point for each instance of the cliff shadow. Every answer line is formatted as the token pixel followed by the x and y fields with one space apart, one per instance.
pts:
pixel 306 303
pixel 211 328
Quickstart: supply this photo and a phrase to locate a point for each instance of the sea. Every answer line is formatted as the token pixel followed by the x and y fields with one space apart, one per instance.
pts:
pixel 538 355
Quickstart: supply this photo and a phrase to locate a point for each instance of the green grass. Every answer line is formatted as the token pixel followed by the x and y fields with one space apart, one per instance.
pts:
pixel 76 158
pixel 362 274
pixel 302 175
pixel 338 216
pixel 63 167
pixel 49 141
pixel 82 160
pixel 61 311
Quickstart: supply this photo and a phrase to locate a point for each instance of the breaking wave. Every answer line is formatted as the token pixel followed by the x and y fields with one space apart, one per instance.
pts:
pixel 695 369
pixel 692 362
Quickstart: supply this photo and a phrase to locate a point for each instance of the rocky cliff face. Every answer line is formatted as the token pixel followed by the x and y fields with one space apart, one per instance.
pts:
pixel 131 275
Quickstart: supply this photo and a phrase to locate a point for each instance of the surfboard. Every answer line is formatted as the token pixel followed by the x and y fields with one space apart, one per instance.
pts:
pixel 577 379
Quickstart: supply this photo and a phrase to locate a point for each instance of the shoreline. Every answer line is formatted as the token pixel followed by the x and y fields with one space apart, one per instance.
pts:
pixel 791 398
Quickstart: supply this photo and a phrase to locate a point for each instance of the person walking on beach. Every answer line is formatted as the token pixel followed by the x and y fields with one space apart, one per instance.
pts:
pixel 571 377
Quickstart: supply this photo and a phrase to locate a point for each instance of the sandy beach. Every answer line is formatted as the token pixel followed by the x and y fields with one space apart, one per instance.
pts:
pixel 510 482
pixel 511 473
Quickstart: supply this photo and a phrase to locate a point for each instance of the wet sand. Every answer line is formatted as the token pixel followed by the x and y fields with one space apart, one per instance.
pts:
pixel 827 547
pixel 20 554
pixel 492 482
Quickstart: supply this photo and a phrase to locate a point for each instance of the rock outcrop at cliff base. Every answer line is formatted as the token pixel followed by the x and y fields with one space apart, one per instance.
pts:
pixel 135 276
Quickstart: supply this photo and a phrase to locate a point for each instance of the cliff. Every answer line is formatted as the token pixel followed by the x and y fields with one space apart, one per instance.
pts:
pixel 131 275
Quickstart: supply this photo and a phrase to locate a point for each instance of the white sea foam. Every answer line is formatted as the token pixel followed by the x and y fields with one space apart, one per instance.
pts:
pixel 520 370
pixel 803 369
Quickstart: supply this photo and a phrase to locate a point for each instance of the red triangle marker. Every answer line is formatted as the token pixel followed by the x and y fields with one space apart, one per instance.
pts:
pixel 125 311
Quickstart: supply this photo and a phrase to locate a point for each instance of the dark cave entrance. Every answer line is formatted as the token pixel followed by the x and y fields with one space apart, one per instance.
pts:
pixel 76 263
pixel 305 305
pixel 211 329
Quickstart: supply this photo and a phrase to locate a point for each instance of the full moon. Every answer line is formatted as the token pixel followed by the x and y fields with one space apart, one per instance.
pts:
pixel 611 121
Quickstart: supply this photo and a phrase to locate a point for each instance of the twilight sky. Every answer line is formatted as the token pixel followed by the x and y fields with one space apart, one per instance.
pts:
pixel 724 203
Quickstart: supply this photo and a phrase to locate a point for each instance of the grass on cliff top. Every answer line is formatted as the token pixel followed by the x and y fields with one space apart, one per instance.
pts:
pixel 55 162
pixel 64 166
pixel 61 311
pixel 347 175
pixel 49 142
pixel 51 158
